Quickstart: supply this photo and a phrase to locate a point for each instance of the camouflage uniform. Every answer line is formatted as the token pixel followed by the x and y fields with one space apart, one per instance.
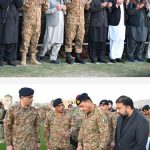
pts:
pixel 77 116
pixel 74 26
pixel 94 132
pixel 55 126
pixel 148 119
pixel 2 114
pixel 32 24
pixel 21 128
pixel 112 127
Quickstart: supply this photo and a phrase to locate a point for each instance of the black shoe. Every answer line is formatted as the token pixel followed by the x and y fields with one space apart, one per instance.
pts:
pixel 148 60
pixel 102 61
pixel 93 61
pixel 41 58
pixel 130 59
pixel 69 60
pixel 113 60
pixel 139 59
pixel 54 61
pixel 11 63
pixel 79 60
pixel 120 60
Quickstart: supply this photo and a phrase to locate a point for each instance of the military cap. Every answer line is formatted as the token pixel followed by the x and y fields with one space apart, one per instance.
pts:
pixel 25 91
pixel 103 102
pixel 57 102
pixel 146 107
pixel 82 97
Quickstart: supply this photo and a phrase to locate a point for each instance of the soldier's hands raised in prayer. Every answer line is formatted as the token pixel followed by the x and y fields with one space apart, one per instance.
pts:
pixel 10 147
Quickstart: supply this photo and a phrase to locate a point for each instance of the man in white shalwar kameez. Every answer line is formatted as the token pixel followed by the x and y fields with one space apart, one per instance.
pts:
pixel 54 34
pixel 116 35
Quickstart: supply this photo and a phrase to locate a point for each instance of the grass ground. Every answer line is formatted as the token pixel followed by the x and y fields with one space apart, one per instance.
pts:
pixel 127 69
pixel 43 147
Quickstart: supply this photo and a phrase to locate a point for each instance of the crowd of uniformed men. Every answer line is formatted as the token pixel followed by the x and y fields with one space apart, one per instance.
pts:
pixel 84 127
pixel 109 19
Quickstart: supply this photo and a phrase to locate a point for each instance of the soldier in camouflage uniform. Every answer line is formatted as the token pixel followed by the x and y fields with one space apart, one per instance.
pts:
pixel 146 111
pixel 21 125
pixel 94 131
pixel 74 28
pixel 58 128
pixel 104 106
pixel 77 116
pixel 31 28
pixel 2 115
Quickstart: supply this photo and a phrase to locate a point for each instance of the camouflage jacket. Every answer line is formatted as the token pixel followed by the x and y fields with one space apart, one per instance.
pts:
pixel 55 128
pixel 75 10
pixel 94 131
pixel 148 119
pixel 32 9
pixel 21 127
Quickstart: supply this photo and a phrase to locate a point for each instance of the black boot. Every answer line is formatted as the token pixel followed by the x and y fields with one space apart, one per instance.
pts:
pixel 68 58
pixel 78 59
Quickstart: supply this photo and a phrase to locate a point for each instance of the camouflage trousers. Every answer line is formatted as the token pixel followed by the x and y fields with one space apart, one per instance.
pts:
pixel 74 32
pixel 30 35
pixel 1 133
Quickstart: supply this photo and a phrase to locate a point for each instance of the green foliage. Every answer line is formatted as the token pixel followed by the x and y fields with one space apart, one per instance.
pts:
pixel 127 69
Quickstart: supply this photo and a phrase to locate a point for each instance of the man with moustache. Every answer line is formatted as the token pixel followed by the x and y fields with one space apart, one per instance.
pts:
pixel 21 125
pixel 132 127
pixel 58 127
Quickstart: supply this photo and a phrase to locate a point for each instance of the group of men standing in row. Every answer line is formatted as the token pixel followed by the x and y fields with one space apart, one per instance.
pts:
pixel 107 19
pixel 85 127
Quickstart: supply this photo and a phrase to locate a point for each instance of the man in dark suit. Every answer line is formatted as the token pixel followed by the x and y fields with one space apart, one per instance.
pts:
pixel 132 127
pixel 9 17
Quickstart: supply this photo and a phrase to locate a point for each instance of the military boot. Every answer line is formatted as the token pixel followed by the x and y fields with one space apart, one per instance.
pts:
pixel 23 59
pixel 69 60
pixel 33 59
pixel 78 59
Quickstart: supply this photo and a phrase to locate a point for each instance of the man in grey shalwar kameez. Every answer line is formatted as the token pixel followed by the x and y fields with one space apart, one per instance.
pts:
pixel 136 31
pixel 54 33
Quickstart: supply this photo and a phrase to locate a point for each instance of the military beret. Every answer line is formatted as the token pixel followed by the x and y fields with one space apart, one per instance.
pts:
pixel 103 102
pixel 82 97
pixel 25 91
pixel 146 107
pixel 57 102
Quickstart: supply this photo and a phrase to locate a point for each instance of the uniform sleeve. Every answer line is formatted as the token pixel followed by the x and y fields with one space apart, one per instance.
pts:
pixel 80 136
pixel 114 124
pixel 8 122
pixel 37 128
pixel 70 4
pixel 104 130
pixel 18 3
pixel 47 130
